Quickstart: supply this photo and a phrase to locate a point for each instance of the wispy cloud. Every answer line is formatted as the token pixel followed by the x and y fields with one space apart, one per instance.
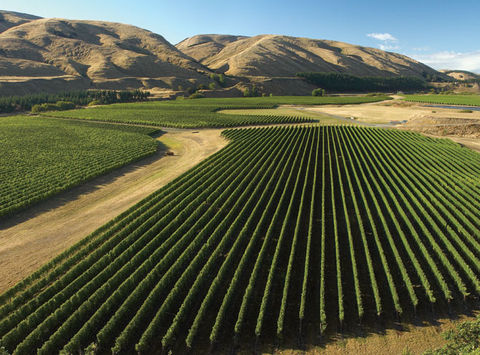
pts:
pixel 387 41
pixel 388 47
pixel 382 37
pixel 421 49
pixel 451 60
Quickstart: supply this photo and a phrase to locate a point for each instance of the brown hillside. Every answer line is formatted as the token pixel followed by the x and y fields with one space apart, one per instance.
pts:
pixel 461 74
pixel 97 54
pixel 39 54
pixel 203 47
pixel 10 19
pixel 283 56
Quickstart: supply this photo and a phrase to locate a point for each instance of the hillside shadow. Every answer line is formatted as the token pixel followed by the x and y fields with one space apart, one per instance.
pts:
pixel 83 188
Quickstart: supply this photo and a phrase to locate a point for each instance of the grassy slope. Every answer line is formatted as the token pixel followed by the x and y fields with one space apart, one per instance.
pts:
pixel 202 112
pixel 42 156
pixel 469 100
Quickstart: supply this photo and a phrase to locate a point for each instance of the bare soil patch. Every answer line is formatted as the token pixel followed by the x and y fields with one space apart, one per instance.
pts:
pixel 411 340
pixel 392 111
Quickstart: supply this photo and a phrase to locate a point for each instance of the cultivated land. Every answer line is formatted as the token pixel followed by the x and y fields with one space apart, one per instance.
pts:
pixel 203 113
pixel 52 226
pixel 459 125
pixel 33 237
pixel 469 100
pixel 287 112
pixel 41 156
pixel 308 254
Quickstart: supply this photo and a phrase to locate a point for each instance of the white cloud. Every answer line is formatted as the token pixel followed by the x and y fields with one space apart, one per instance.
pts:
pixel 451 60
pixel 382 36
pixel 388 47
pixel 387 41
pixel 421 49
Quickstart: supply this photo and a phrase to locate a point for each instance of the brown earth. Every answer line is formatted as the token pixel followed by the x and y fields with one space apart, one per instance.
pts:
pixel 460 128
pixel 33 237
pixel 396 111
pixel 409 341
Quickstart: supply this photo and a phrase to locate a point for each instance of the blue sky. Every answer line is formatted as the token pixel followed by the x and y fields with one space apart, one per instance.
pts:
pixel 443 34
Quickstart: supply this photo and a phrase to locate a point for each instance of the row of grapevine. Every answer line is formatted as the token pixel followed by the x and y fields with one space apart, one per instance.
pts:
pixel 352 222
pixel 42 157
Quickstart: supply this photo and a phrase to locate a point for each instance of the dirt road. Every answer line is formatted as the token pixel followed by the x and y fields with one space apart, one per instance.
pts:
pixel 391 111
pixel 31 238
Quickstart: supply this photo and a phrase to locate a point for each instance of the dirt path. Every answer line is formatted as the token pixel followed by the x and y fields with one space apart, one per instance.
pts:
pixel 31 238
pixel 386 112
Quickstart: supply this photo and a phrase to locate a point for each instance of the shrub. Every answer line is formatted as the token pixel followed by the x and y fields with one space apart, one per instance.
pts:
pixel 65 105
pixel 219 78
pixel 94 103
pixel 59 106
pixel 318 92
pixel 251 92
pixel 465 339
pixel 44 107
pixel 196 95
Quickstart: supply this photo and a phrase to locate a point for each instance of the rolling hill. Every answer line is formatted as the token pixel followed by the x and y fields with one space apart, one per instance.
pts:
pixel 10 19
pixel 284 56
pixel 40 54
pixel 461 74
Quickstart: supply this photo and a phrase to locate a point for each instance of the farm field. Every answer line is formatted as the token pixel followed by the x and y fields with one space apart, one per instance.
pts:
pixel 468 100
pixel 42 156
pixel 286 111
pixel 34 236
pixel 283 232
pixel 202 113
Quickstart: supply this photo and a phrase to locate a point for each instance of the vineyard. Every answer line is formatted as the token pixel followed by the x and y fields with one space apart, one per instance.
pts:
pixel 41 157
pixel 201 113
pixel 284 231
pixel 469 100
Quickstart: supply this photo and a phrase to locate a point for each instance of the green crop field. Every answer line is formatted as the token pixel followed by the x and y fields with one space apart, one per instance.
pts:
pixel 283 232
pixel 286 112
pixel 200 113
pixel 468 100
pixel 42 156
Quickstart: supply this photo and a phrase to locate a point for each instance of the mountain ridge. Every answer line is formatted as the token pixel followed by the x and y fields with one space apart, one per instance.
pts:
pixel 306 54
pixel 53 54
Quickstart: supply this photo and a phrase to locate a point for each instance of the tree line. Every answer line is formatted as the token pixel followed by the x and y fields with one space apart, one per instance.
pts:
pixel 341 82
pixel 78 98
